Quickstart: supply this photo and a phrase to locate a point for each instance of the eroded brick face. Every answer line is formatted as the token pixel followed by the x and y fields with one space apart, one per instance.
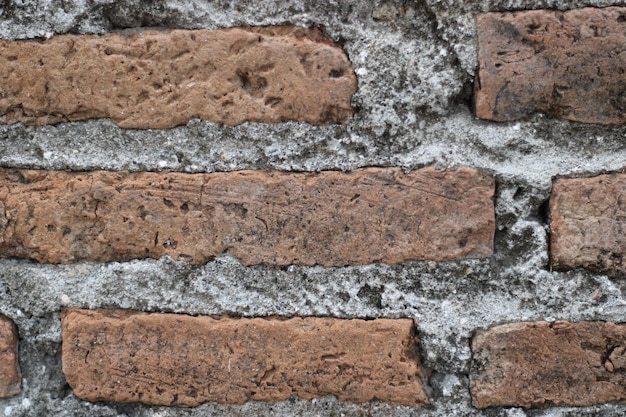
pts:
pixel 587 224
pixel 569 65
pixel 167 359
pixel 536 365
pixel 160 79
pixel 328 218
pixel 9 372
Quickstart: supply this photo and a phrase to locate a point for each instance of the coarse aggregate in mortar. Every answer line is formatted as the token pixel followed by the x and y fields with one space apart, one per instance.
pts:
pixel 414 62
pixel 532 151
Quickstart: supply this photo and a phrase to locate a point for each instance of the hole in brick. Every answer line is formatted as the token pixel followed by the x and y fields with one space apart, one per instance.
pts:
pixel 142 212
pixel 184 257
pixel 168 203
pixel 143 96
pixel 336 73
pixel 252 84
pixel 273 102
pixel 169 243
pixel 184 207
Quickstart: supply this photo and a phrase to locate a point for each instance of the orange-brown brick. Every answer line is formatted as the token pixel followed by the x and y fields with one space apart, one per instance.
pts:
pixel 566 64
pixel 328 218
pixel 587 223
pixel 159 79
pixel 9 371
pixel 549 364
pixel 167 359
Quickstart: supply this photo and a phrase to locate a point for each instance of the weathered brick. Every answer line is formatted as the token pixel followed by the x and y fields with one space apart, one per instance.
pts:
pixel 566 64
pixel 587 224
pixel 159 79
pixel 328 218
pixel 549 364
pixel 9 371
pixel 168 359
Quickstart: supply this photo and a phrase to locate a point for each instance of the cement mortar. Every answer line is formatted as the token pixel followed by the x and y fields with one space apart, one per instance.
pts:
pixel 415 62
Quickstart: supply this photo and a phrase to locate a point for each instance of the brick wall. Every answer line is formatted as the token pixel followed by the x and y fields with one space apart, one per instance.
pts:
pixel 312 208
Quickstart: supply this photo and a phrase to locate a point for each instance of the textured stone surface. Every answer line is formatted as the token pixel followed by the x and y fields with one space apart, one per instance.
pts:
pixel 330 218
pixel 150 79
pixel 587 223
pixel 412 112
pixel 171 359
pixel 545 364
pixel 9 373
pixel 566 64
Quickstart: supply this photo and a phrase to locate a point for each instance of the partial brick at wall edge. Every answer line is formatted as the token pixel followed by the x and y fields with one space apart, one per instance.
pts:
pixel 10 381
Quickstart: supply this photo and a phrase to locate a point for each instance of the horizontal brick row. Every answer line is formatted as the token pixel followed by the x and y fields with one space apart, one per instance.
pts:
pixel 566 64
pixel 180 360
pixel 167 359
pixel 9 371
pixel 328 218
pixel 160 79
pixel 539 60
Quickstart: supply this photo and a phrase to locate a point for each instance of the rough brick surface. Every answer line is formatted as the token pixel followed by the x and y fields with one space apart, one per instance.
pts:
pixel 587 223
pixel 566 64
pixel 9 373
pixel 151 79
pixel 330 218
pixel 168 359
pixel 549 364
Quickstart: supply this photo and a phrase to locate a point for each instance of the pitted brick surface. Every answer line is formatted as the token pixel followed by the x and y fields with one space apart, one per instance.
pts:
pixel 168 359
pixel 549 364
pixel 328 218
pixel 9 373
pixel 566 64
pixel 152 79
pixel 587 223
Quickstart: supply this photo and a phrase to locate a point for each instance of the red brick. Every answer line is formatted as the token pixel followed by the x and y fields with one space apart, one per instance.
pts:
pixel 9 371
pixel 536 365
pixel 569 65
pixel 587 224
pixel 328 218
pixel 159 79
pixel 167 359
